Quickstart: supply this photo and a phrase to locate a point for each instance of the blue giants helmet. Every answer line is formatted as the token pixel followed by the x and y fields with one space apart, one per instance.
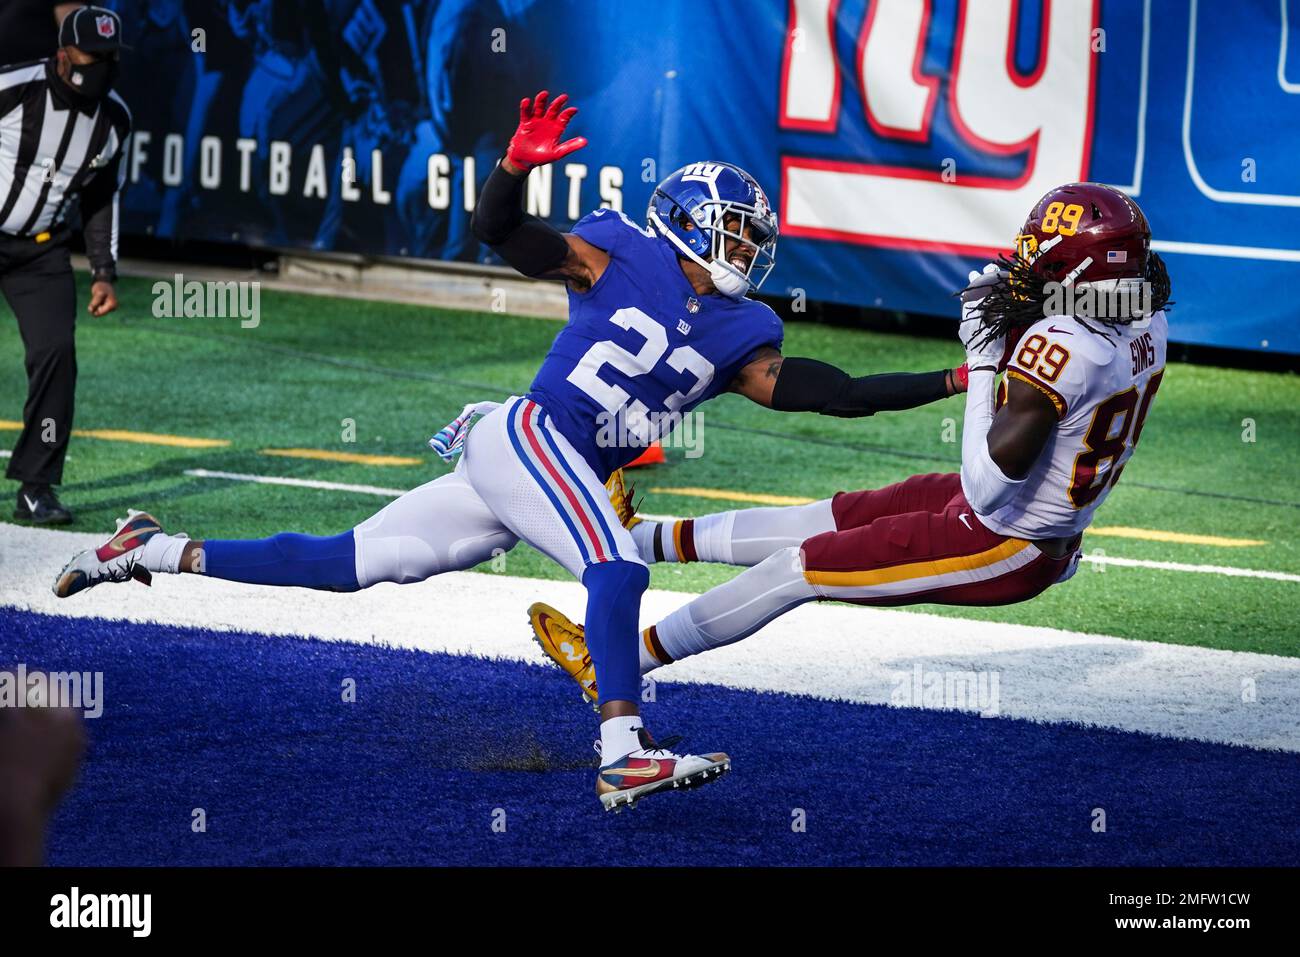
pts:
pixel 691 209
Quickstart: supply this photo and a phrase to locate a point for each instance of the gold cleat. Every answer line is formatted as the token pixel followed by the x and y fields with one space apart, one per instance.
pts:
pixel 620 496
pixel 565 644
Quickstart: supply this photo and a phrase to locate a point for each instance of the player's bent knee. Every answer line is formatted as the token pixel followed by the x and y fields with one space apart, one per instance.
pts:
pixel 623 574
pixel 792 560
pixel 783 571
pixel 393 558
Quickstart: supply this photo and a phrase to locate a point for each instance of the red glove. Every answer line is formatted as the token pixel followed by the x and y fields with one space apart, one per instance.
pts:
pixel 961 378
pixel 537 140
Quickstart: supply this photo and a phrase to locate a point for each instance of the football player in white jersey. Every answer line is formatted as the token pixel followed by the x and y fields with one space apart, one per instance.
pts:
pixel 534 468
pixel 1076 318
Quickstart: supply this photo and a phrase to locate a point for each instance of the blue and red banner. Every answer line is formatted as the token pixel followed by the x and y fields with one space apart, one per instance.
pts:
pixel 903 141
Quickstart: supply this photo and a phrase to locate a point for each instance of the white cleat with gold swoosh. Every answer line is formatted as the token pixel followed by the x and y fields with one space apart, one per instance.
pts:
pixel 117 560
pixel 652 768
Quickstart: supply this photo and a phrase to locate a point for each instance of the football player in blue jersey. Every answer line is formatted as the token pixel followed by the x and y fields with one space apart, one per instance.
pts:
pixel 659 321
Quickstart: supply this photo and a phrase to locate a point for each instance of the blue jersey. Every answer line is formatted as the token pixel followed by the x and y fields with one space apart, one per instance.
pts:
pixel 641 348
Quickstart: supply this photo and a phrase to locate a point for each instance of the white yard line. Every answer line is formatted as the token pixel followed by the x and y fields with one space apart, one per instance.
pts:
pixel 1096 558
pixel 1202 569
pixel 832 651
pixel 299 483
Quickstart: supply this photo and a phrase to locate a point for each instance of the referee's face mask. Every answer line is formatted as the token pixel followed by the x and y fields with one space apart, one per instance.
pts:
pixel 93 77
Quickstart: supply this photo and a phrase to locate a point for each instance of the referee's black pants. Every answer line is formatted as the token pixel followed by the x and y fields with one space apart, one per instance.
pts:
pixel 36 280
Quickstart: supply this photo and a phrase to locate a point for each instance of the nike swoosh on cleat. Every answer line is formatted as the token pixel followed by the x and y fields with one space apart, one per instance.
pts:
pixel 650 772
pixel 31 504
pixel 118 541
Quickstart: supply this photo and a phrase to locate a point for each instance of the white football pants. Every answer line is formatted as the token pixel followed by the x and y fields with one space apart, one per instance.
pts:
pixel 518 478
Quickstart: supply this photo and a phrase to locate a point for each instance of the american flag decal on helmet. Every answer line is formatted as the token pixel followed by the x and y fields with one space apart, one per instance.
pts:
pixel 1117 256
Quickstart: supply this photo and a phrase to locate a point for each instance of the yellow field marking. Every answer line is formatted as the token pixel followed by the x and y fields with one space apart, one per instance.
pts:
pixel 357 458
pixel 152 438
pixel 1117 531
pixel 143 438
pixel 1180 538
pixel 723 495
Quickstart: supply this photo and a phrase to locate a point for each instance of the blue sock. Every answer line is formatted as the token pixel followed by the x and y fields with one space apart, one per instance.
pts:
pixel 614 592
pixel 310 561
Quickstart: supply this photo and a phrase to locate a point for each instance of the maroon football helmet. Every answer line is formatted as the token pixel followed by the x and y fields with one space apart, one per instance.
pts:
pixel 1086 232
pixel 1078 235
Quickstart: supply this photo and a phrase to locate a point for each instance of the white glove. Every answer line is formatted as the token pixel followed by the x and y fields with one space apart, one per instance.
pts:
pixel 987 354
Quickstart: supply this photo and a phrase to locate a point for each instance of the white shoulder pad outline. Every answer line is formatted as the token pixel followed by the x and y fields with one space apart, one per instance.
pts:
pixel 645 231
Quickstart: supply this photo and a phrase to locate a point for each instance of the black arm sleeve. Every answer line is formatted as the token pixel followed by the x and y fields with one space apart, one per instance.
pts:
pixel 101 194
pixel 99 215
pixel 808 385
pixel 527 243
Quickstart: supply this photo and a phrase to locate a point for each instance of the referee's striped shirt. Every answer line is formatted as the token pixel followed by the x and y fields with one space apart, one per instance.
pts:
pixel 52 150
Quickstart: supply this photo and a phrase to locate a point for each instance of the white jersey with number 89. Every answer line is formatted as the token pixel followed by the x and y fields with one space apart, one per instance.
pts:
pixel 1102 388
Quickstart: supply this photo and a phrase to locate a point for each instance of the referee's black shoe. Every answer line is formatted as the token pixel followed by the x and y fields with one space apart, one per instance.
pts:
pixel 40 506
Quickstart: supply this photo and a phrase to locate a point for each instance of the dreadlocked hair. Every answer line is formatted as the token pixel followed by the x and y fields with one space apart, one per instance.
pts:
pixel 1158 277
pixel 1018 299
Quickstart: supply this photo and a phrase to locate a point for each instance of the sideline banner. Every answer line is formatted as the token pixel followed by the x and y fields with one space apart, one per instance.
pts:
pixel 902 141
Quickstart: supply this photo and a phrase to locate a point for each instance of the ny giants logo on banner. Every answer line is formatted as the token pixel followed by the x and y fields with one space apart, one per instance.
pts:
pixel 994 109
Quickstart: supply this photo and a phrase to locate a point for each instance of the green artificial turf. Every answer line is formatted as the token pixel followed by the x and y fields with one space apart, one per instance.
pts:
pixel 398 372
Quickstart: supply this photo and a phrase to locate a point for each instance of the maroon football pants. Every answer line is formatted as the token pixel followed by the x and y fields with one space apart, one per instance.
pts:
pixel 920 541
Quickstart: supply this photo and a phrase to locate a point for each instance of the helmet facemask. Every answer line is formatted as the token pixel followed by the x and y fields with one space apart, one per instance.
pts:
pixel 725 224
pixel 1098 269
pixel 748 236
pixel 1019 300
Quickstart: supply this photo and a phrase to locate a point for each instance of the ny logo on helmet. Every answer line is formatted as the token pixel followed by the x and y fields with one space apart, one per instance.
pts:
pixel 706 172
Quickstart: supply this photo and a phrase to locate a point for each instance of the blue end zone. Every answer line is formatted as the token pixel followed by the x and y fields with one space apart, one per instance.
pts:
pixel 253 729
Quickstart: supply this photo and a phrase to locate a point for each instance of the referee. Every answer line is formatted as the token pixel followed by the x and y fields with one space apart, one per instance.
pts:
pixel 62 133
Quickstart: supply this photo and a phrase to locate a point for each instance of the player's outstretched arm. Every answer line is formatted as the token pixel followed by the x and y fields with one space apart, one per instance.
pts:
pixel 528 243
pixel 809 385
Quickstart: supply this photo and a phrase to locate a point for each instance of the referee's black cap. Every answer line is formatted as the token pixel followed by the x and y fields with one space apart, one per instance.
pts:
pixel 92 29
